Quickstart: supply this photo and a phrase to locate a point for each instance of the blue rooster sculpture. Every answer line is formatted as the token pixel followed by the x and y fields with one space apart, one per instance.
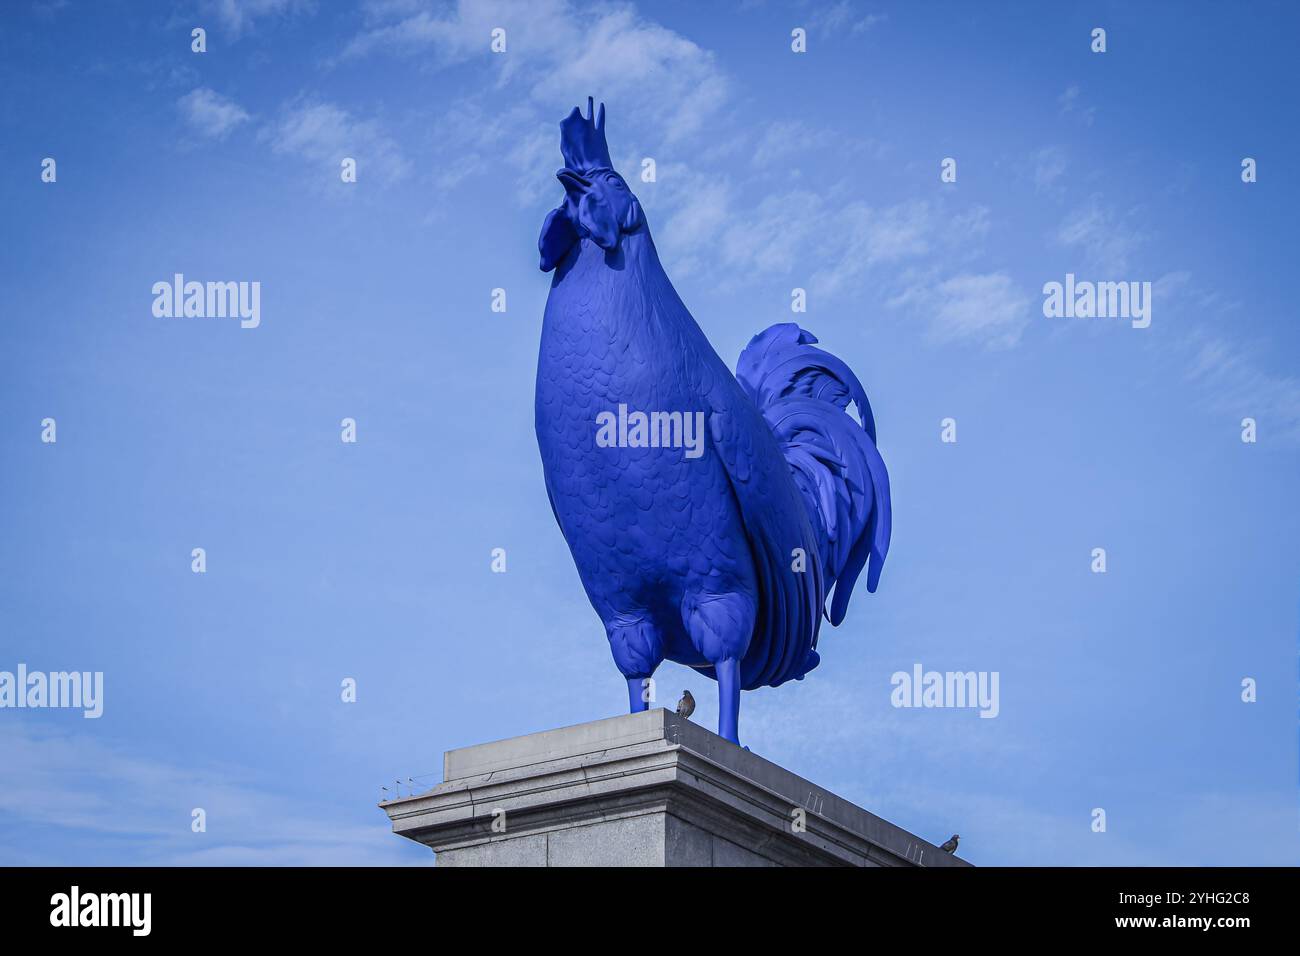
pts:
pixel 709 515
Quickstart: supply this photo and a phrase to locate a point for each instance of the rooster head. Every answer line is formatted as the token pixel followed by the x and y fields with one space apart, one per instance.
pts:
pixel 598 205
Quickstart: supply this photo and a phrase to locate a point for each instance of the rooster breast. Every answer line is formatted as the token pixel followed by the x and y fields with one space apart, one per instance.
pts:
pixel 646 526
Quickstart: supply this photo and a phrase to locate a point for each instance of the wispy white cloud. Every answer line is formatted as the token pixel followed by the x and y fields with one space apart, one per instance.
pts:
pixel 1105 238
pixel 210 114
pixel 785 138
pixel 238 16
pixel 843 18
pixel 696 210
pixel 324 134
pixel 784 142
pixel 712 231
pixel 660 88
pixel 1069 103
pixel 988 308
pixel 1049 166
pixel 1231 375
pixel 554 47
pixel 863 237
pixel 659 74
pixel 774 235
pixel 1236 382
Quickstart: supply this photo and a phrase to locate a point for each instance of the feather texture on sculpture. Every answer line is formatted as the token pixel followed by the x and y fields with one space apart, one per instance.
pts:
pixel 709 514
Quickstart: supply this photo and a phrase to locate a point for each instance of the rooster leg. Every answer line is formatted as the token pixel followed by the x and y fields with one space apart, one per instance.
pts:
pixel 639 694
pixel 728 672
pixel 720 626
pixel 638 649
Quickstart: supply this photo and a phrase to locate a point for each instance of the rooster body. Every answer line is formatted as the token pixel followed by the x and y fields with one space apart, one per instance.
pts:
pixel 720 562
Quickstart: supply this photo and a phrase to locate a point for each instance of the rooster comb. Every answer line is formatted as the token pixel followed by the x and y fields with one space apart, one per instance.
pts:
pixel 582 139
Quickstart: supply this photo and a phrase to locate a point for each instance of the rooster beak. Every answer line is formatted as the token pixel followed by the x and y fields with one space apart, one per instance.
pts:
pixel 573 183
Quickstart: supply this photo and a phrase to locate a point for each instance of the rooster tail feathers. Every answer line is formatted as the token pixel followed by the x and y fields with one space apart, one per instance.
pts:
pixel 781 361
pixel 803 393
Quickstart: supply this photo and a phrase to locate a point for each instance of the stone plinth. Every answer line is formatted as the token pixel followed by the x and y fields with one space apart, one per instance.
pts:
pixel 648 789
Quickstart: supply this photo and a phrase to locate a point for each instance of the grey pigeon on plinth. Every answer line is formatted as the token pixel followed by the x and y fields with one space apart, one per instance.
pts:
pixel 686 706
pixel 951 845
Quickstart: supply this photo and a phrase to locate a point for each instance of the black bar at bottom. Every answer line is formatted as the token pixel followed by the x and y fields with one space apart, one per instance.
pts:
pixel 380 907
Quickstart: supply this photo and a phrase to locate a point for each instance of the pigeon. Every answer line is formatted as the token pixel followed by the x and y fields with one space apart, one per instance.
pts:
pixel 951 845
pixel 686 706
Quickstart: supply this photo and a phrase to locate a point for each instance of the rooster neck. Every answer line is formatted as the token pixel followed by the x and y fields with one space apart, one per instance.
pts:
pixel 623 293
pixel 616 329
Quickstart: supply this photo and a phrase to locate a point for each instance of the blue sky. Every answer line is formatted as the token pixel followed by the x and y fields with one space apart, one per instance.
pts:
pixel 775 170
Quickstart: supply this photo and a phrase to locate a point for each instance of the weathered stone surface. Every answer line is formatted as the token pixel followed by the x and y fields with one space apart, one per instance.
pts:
pixel 524 851
pixel 648 789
